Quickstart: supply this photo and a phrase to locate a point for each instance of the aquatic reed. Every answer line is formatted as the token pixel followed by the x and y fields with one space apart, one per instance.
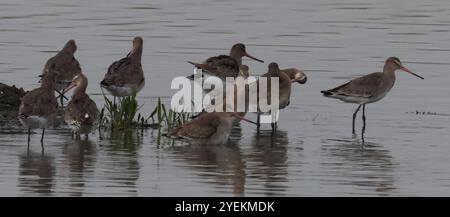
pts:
pixel 120 115
pixel 123 115
pixel 168 118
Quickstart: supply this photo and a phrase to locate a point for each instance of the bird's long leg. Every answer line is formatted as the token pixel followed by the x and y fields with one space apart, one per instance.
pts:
pixel 364 116
pixel 354 117
pixel 42 140
pixel 29 133
pixel 364 123
pixel 61 100
pixel 272 122
pixel 274 119
pixel 42 137
pixel 61 97
pixel 258 120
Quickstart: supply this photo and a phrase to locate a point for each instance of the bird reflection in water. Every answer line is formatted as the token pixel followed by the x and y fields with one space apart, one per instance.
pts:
pixel 80 157
pixel 232 164
pixel 37 171
pixel 123 152
pixel 370 166
pixel 222 163
pixel 269 153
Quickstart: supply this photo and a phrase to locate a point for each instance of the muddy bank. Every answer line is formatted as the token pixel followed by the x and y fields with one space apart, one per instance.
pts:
pixel 9 104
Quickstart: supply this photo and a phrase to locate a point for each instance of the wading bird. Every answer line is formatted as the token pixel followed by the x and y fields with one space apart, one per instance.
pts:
pixel 125 77
pixel 284 92
pixel 38 108
pixel 65 65
pixel 81 113
pixel 368 89
pixel 223 66
pixel 208 129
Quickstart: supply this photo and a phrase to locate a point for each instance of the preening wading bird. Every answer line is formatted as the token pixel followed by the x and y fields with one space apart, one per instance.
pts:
pixel 125 76
pixel 81 113
pixel 284 92
pixel 65 65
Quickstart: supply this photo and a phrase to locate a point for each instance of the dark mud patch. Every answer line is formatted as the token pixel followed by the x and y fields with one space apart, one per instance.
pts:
pixel 10 97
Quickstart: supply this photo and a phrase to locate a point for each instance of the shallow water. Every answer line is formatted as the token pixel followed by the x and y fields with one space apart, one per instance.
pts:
pixel 312 154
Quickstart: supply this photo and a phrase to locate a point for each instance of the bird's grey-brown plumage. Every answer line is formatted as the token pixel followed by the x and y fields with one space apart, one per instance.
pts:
pixel 284 85
pixel 79 106
pixel 209 128
pixel 366 86
pixel 223 66
pixel 199 128
pixel 369 88
pixel 126 72
pixel 64 63
pixel 81 114
pixel 40 102
pixel 296 75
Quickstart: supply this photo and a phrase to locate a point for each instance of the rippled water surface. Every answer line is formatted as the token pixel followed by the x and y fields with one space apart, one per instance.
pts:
pixel 407 153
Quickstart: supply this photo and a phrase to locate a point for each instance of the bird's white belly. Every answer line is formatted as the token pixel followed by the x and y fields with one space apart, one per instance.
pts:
pixel 82 128
pixel 35 122
pixel 122 91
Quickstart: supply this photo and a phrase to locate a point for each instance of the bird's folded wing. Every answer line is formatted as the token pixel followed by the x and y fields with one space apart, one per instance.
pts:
pixel 198 129
pixel 361 87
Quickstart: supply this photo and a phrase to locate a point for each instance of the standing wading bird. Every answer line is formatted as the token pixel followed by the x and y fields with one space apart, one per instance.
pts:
pixel 38 108
pixel 223 66
pixel 81 113
pixel 368 89
pixel 125 77
pixel 65 65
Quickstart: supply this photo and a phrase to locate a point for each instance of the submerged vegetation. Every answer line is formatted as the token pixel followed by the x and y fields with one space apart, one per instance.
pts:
pixel 119 115
pixel 124 115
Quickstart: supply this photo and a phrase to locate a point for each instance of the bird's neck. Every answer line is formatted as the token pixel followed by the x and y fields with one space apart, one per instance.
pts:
pixel 70 47
pixel 80 90
pixel 389 74
pixel 237 57
pixel 389 69
pixel 135 53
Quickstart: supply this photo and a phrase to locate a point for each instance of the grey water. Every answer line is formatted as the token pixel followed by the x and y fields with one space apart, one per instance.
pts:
pixel 406 151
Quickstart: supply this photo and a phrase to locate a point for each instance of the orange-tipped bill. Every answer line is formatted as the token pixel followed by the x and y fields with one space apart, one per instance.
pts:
pixel 254 58
pixel 410 72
